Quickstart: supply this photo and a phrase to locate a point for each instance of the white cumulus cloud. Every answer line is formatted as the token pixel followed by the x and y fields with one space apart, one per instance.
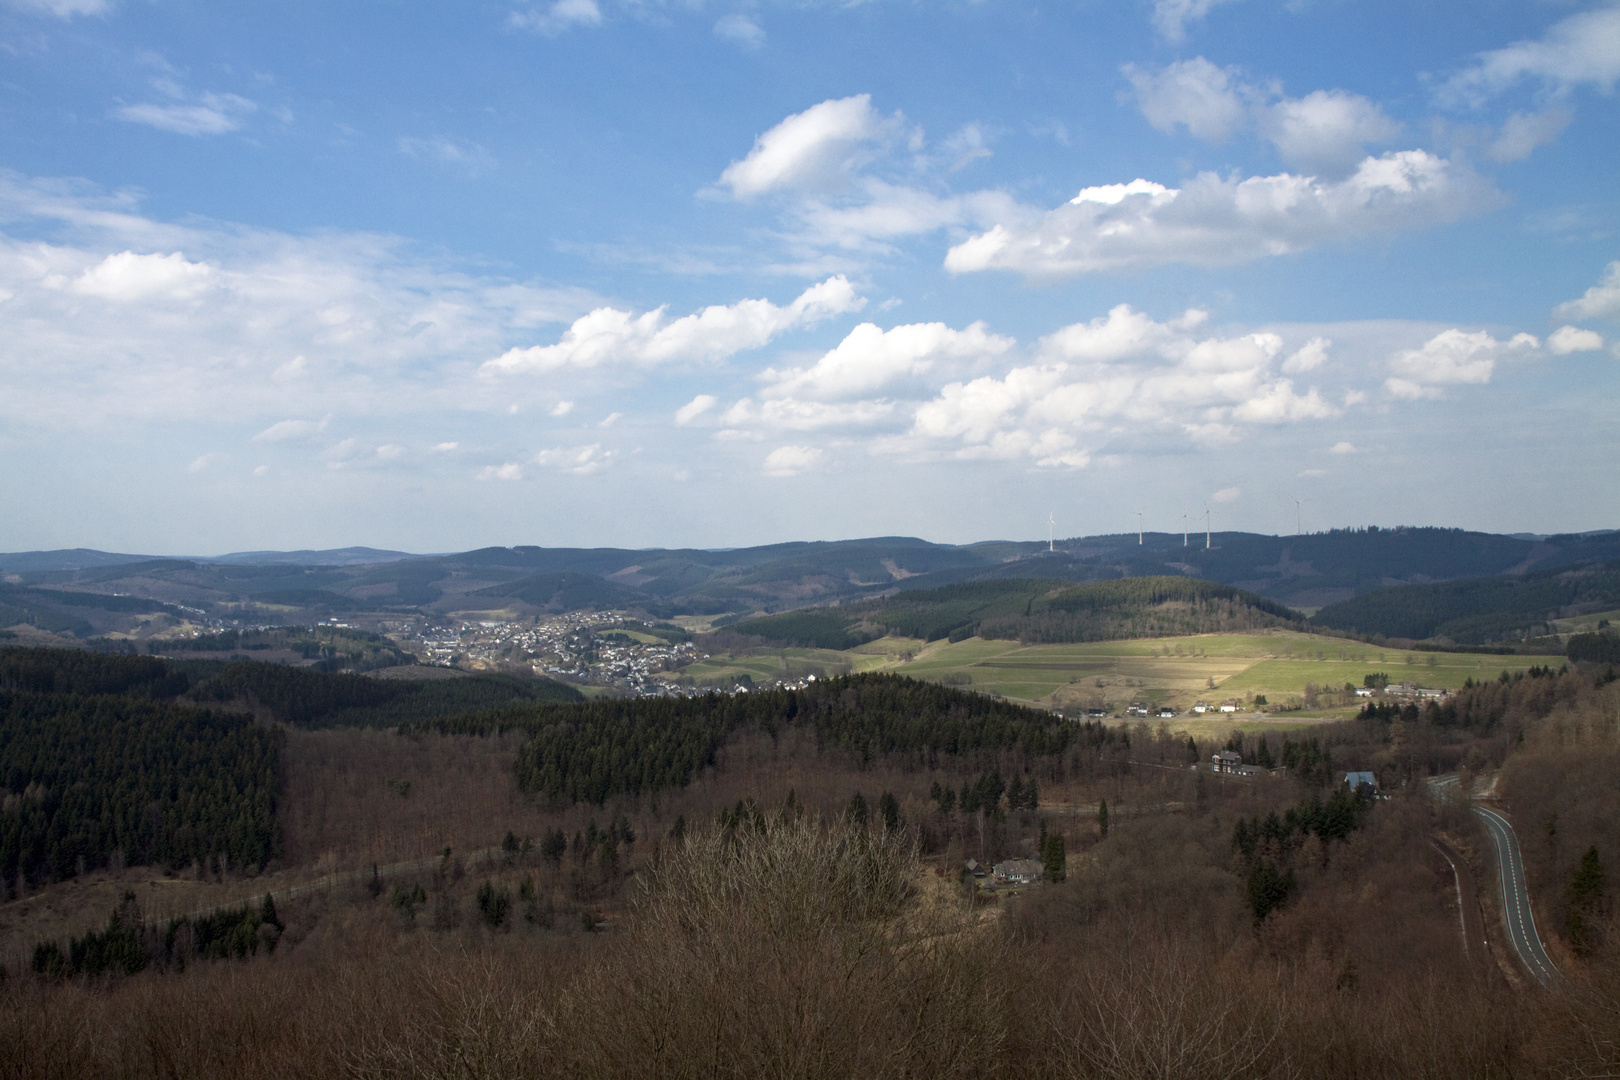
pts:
pixel 371 326
pixel 1310 356
pixel 790 460
pixel 1601 301
pixel 870 359
pixel 1326 131
pixel 1120 372
pixel 1572 339
pixel 1210 102
pixel 1583 49
pixel 1451 357
pixel 1215 220
pixel 695 408
pixel 1226 495
pixel 847 178
pixel 1343 447
pixel 128 276
pixel 509 471
pixel 581 460
pixel 609 336
pixel 816 148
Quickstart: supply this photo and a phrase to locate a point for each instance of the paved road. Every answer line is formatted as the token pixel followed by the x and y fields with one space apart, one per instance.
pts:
pixel 1521 923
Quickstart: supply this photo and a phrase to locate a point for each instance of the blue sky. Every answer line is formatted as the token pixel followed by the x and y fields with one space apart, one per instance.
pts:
pixel 624 272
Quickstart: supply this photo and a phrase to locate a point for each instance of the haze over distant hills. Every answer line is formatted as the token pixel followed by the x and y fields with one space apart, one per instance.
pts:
pixel 86 592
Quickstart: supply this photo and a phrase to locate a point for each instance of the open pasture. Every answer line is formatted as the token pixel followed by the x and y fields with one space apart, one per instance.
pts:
pixel 1159 671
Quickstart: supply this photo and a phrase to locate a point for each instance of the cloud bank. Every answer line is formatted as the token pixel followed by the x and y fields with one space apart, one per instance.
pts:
pixel 1218 221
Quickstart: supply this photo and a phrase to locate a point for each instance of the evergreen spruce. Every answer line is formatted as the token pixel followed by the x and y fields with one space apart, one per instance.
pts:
pixel 1054 857
pixel 889 811
pixel 856 810
pixel 1586 903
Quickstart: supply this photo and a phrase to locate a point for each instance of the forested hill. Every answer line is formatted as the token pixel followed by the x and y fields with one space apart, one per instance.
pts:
pixel 1031 610
pixel 98 760
pixel 109 757
pixel 629 746
pixel 106 756
pixel 1479 611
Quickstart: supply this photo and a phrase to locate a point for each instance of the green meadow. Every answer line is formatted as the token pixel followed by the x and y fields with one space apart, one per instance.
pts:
pixel 1160 671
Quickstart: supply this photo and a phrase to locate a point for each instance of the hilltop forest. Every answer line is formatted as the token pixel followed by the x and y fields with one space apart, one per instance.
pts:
pixel 1033 611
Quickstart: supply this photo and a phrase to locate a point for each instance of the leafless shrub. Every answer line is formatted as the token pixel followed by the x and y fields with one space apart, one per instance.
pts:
pixel 781 953
pixel 1151 1011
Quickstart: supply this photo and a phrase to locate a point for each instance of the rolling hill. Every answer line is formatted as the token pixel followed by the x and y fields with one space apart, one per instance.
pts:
pixel 1478 611
pixel 1030 610
pixel 1322 570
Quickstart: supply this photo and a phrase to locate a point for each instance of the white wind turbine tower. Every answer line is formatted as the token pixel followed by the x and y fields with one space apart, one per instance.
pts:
pixel 1183 530
pixel 1207 544
pixel 1051 531
pixel 1139 527
pixel 1299 516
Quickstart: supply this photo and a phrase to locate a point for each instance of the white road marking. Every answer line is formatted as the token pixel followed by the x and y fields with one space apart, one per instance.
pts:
pixel 1516 910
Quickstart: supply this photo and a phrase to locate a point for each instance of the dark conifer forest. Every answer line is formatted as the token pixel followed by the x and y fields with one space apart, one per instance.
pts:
pixel 98 761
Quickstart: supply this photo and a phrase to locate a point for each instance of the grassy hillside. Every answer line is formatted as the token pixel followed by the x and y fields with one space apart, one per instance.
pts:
pixel 1283 666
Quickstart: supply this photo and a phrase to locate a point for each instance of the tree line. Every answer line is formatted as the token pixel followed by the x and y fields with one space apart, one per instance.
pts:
pixel 129 945
pixel 1483 707
pixel 306 698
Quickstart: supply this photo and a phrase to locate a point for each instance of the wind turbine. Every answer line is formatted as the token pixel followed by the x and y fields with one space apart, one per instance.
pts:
pixel 1207 544
pixel 1051 531
pixel 1299 516
pixel 1139 526
pixel 1183 530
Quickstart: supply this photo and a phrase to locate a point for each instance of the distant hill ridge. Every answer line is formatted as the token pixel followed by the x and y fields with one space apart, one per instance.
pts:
pixel 1308 572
